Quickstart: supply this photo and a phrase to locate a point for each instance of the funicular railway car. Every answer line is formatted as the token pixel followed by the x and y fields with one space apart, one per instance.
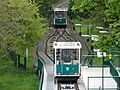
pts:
pixel 60 17
pixel 67 57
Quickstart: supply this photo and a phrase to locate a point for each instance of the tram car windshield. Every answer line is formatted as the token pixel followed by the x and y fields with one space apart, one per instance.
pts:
pixel 68 55
pixel 60 14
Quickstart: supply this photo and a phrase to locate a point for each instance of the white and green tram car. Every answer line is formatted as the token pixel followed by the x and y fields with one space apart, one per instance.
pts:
pixel 60 17
pixel 67 56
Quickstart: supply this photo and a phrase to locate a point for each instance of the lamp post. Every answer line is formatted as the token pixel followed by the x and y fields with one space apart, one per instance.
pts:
pixel 89 32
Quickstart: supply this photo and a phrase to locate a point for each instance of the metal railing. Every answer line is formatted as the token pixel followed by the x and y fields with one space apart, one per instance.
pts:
pixel 114 72
pixel 40 72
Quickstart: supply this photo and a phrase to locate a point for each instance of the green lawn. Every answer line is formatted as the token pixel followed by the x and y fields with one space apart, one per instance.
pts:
pixel 11 78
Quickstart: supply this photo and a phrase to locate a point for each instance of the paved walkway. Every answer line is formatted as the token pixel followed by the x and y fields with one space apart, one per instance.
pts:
pixel 48 65
pixel 97 82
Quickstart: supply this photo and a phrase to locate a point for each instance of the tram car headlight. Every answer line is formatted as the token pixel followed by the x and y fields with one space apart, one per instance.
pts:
pixel 76 73
pixel 59 73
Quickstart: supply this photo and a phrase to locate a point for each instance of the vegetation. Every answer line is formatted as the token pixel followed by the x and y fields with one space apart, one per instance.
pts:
pixel 21 26
pixel 45 5
pixel 12 78
pixel 103 13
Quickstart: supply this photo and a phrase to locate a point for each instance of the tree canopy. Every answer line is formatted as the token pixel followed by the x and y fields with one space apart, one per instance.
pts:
pixel 103 13
pixel 21 26
pixel 45 5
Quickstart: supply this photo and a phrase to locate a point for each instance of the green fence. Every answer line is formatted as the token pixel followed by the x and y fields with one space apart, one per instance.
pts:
pixel 40 72
pixel 114 72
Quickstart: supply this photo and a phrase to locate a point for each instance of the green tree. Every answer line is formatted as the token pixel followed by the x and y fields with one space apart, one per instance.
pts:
pixel 105 13
pixel 45 5
pixel 20 25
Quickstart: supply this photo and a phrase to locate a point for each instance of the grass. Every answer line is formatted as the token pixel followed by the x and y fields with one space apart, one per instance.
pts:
pixel 12 78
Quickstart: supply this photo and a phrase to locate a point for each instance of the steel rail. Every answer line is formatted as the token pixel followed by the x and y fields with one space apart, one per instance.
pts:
pixel 64 4
pixel 68 86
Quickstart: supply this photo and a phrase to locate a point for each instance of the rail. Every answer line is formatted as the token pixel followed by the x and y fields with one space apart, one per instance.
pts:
pixel 64 4
pixel 68 86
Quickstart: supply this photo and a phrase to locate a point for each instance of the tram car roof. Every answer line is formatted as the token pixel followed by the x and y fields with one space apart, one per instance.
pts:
pixel 60 9
pixel 67 45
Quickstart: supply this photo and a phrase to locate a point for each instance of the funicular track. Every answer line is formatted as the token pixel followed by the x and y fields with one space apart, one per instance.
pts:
pixel 57 36
pixel 65 4
pixel 64 35
pixel 67 86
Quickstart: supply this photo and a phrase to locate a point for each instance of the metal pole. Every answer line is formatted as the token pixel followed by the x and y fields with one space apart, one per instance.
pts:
pixel 119 69
pixel 80 33
pixel 88 33
pixel 90 46
pixel 90 58
pixel 103 72
pixel 88 82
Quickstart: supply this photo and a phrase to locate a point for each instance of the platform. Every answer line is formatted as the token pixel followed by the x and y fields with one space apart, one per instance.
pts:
pixel 92 78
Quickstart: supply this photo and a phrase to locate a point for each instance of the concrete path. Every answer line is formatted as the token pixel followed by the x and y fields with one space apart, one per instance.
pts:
pixel 48 66
pixel 97 82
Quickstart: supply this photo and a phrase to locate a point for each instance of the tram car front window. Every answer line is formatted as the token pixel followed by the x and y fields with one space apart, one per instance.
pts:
pixel 60 14
pixel 67 56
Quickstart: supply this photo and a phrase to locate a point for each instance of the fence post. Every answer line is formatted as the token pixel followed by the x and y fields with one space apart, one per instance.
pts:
pixel 15 59
pixel 24 62
pixel 103 71
pixel 18 61
pixel 88 82
pixel 118 86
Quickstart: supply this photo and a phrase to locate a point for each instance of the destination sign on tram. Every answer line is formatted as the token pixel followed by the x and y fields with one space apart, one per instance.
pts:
pixel 67 45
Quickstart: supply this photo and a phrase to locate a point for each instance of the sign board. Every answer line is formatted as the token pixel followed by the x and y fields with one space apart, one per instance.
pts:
pixel 110 56
pixel 96 50
pixel 85 35
pixel 103 31
pixel 101 54
pixel 78 24
pixel 67 45
pixel 94 37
